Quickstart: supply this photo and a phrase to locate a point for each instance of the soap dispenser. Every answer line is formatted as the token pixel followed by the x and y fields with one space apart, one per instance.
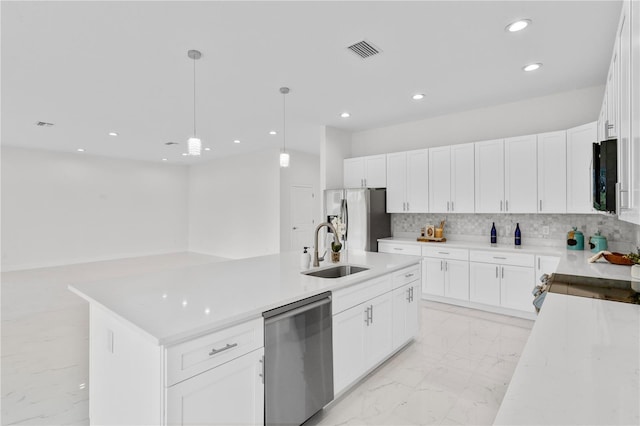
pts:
pixel 305 259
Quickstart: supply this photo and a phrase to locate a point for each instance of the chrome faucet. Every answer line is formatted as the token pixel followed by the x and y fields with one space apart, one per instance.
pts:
pixel 316 259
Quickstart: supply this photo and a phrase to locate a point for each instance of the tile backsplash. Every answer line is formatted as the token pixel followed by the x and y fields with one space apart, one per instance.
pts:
pixel 531 225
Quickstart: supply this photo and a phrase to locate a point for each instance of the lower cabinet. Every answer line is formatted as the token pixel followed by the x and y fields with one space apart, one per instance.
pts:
pixel 232 393
pixel 448 278
pixel 515 288
pixel 546 265
pixel 484 283
pixel 379 317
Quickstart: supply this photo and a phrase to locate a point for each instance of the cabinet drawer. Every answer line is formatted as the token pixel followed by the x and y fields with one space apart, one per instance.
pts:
pixel 502 258
pixel 445 253
pixel 193 357
pixel 407 275
pixel 351 296
pixel 399 248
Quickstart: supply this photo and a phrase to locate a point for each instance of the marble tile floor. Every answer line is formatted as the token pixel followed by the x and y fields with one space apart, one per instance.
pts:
pixel 45 337
pixel 456 372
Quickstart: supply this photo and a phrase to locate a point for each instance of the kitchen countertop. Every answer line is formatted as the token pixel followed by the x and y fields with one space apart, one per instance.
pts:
pixel 581 365
pixel 183 303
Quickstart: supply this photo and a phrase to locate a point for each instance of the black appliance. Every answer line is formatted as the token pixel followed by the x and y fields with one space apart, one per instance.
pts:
pixel 605 175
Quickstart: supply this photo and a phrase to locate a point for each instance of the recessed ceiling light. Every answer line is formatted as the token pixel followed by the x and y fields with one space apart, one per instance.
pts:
pixel 236 141
pixel 164 159
pixel 345 115
pixel 207 149
pixel 184 154
pixel 417 96
pixel 518 25
pixel 80 149
pixel 273 132
pixel 113 133
pixel 532 67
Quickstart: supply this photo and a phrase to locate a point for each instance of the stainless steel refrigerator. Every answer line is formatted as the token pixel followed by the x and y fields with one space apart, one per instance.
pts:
pixel 364 211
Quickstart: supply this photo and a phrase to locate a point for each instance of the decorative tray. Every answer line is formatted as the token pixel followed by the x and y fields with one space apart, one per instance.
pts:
pixel 617 259
pixel 432 240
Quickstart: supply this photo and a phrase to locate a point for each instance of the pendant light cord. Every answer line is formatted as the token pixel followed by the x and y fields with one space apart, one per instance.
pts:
pixel 284 123
pixel 194 97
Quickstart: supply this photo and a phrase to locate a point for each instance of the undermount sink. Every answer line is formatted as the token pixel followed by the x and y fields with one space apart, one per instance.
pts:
pixel 337 271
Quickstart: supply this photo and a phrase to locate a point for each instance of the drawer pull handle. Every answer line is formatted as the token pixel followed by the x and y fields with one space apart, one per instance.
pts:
pixel 408 275
pixel 443 252
pixel 217 351
pixel 398 248
pixel 499 257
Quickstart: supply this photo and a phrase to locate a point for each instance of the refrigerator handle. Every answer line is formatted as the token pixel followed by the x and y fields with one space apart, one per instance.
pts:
pixel 344 212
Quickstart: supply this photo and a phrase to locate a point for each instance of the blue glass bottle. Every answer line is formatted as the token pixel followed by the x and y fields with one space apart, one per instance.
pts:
pixel 518 235
pixel 494 234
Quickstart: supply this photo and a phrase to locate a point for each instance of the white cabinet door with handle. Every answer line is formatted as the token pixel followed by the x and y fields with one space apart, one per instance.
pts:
pixel 348 346
pixel 515 288
pixel 489 172
pixel 405 313
pixel 484 283
pixel 440 179
pixel 457 279
pixel 552 172
pixel 520 177
pixel 396 182
pixel 378 332
pixel 462 178
pixel 232 393
pixel 433 273
pixel 579 168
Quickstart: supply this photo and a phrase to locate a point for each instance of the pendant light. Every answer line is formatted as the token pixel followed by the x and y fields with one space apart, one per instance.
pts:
pixel 284 155
pixel 194 144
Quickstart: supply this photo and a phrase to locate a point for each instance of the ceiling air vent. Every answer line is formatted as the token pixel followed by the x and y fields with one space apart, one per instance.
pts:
pixel 43 124
pixel 171 143
pixel 363 49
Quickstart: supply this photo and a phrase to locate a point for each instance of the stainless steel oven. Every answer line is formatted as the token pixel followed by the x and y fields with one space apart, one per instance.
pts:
pixel 298 360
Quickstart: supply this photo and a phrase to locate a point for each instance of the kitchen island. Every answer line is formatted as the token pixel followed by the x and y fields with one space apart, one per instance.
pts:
pixel 164 347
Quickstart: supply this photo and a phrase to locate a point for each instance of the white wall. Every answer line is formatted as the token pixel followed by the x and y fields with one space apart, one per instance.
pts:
pixel 335 146
pixel 60 208
pixel 234 205
pixel 304 170
pixel 537 115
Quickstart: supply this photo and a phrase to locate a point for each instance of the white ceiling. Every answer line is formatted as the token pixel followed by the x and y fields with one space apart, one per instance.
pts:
pixel 94 67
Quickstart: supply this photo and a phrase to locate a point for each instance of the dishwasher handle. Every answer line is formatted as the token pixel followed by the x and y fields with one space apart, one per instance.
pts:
pixel 296 308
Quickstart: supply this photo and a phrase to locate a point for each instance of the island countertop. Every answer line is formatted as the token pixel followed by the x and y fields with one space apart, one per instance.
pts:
pixel 184 303
pixel 581 365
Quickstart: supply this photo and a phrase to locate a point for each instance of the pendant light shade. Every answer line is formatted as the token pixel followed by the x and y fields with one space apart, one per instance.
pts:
pixel 284 155
pixel 194 144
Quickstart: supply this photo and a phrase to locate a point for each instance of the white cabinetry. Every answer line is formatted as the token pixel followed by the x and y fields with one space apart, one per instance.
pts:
pixel 405 312
pixel 489 176
pixel 520 171
pixel 546 265
pixel 451 179
pixel 399 248
pixel 366 172
pixel 632 214
pixel 552 172
pixel 232 393
pixel 408 182
pixel 579 167
pixel 502 279
pixel 446 272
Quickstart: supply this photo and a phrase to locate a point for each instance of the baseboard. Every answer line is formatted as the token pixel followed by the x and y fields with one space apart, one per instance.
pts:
pixel 482 307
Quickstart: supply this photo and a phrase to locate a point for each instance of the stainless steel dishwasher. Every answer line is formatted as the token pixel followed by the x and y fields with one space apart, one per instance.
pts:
pixel 298 360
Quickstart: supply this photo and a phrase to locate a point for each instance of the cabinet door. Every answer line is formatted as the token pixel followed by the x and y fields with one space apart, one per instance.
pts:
pixel 396 182
pixel 456 279
pixel 484 283
pixel 462 178
pixel 413 311
pixel 354 172
pixel 417 181
pixel 579 168
pixel 348 346
pixel 552 172
pixel 515 288
pixel 375 171
pixel 232 393
pixel 433 276
pixel 489 171
pixel 634 196
pixel 440 179
pixel 401 298
pixel 378 339
pixel 624 119
pixel 520 180
pixel 546 265
pixel 612 92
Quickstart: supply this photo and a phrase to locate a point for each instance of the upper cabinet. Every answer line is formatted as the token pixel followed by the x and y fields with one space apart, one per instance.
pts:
pixel 552 172
pixel 489 176
pixel 408 182
pixel 520 171
pixel 631 213
pixel 366 172
pixel 579 168
pixel 451 179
